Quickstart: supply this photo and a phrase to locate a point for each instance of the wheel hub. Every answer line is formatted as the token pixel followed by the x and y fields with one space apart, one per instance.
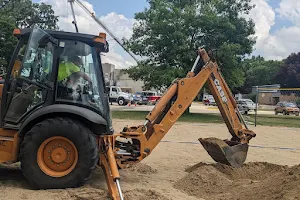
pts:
pixel 57 156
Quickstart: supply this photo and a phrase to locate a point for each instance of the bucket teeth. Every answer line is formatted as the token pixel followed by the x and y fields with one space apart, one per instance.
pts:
pixel 221 152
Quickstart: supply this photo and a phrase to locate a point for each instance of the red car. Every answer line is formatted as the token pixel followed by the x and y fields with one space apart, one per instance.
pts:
pixel 149 97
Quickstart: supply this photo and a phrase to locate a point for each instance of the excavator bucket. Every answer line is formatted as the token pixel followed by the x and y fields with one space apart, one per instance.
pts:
pixel 225 152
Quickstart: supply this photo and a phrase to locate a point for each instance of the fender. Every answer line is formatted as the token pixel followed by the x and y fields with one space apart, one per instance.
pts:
pixel 66 109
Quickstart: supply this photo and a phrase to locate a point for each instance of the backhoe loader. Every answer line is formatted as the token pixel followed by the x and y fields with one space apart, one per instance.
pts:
pixel 55 116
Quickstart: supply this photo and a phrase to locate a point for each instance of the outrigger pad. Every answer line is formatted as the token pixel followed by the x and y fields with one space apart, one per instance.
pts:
pixel 220 151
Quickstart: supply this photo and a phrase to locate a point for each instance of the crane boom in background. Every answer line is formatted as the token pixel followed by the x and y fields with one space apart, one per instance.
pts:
pixel 101 24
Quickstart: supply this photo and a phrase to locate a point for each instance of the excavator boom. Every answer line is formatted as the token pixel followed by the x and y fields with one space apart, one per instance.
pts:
pixel 135 143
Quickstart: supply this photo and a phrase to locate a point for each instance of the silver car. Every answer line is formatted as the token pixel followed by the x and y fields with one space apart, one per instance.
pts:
pixel 248 103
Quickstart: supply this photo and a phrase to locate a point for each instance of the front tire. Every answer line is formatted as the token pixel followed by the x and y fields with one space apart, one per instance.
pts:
pixel 121 101
pixel 58 153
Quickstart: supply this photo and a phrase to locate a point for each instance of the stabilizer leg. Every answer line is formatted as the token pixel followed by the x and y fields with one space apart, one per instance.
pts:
pixel 110 168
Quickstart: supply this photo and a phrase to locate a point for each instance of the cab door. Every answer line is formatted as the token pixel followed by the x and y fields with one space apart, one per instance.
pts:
pixel 114 93
pixel 30 85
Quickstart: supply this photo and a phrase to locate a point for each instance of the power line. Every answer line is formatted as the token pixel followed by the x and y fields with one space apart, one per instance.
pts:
pixel 103 26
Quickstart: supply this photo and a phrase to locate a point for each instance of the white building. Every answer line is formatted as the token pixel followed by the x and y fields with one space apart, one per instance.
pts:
pixel 117 77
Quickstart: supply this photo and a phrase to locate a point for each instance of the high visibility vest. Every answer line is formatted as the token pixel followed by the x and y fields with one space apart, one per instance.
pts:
pixel 66 69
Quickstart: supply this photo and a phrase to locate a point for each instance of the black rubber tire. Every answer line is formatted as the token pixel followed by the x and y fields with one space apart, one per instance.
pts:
pixel 82 138
pixel 297 114
pixel 121 101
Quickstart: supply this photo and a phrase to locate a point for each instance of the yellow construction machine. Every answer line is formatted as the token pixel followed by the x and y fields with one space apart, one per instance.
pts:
pixel 55 116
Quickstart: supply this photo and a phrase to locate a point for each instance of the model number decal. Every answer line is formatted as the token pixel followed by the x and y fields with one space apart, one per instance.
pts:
pixel 220 90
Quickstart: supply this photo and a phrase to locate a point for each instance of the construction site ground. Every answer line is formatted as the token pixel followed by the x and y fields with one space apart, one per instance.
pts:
pixel 179 168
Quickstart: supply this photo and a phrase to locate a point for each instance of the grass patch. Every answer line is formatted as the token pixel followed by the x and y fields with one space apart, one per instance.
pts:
pixel 263 120
pixel 191 117
pixel 273 120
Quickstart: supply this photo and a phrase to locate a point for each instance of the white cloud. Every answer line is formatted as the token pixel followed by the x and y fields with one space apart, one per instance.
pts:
pixel 283 42
pixel 290 9
pixel 119 25
pixel 264 18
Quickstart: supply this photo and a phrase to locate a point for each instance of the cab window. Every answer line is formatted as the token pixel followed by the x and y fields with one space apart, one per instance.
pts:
pixel 76 79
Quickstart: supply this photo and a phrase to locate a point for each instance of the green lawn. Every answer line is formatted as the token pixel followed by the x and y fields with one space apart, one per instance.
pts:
pixel 275 120
pixel 264 120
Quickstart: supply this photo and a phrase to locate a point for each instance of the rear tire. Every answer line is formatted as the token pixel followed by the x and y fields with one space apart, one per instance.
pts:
pixel 64 134
pixel 297 114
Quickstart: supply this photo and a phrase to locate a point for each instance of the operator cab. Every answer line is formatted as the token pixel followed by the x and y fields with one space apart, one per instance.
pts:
pixel 54 68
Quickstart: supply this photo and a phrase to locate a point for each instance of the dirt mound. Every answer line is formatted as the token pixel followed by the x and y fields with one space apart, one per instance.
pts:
pixel 251 182
pixel 143 194
pixel 141 169
pixel 85 193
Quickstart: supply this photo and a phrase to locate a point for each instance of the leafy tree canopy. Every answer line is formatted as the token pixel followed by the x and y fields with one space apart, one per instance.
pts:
pixel 21 14
pixel 169 32
pixel 289 73
pixel 259 71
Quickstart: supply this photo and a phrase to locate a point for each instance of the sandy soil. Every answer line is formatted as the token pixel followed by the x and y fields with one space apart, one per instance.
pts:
pixel 185 171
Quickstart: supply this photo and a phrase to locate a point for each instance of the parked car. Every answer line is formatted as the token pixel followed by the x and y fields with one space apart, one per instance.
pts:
pixel 209 100
pixel 286 108
pixel 149 97
pixel 116 95
pixel 243 109
pixel 248 103
pixel 137 97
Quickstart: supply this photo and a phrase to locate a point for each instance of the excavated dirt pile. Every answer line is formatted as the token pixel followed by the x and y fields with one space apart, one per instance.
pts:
pixel 143 194
pixel 251 182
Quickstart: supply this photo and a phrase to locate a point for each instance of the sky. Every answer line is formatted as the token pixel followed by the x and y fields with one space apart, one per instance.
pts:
pixel 277 25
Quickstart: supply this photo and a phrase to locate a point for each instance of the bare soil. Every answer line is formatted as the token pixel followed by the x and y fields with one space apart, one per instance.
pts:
pixel 180 169
pixel 253 181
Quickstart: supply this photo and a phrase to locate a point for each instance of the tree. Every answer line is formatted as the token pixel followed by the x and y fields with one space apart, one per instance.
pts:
pixel 21 14
pixel 27 14
pixel 7 42
pixel 289 73
pixel 258 71
pixel 169 32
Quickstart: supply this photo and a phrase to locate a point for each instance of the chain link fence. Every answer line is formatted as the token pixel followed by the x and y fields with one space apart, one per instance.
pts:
pixel 276 101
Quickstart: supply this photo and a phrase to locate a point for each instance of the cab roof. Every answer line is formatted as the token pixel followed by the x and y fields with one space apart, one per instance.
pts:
pixel 81 37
